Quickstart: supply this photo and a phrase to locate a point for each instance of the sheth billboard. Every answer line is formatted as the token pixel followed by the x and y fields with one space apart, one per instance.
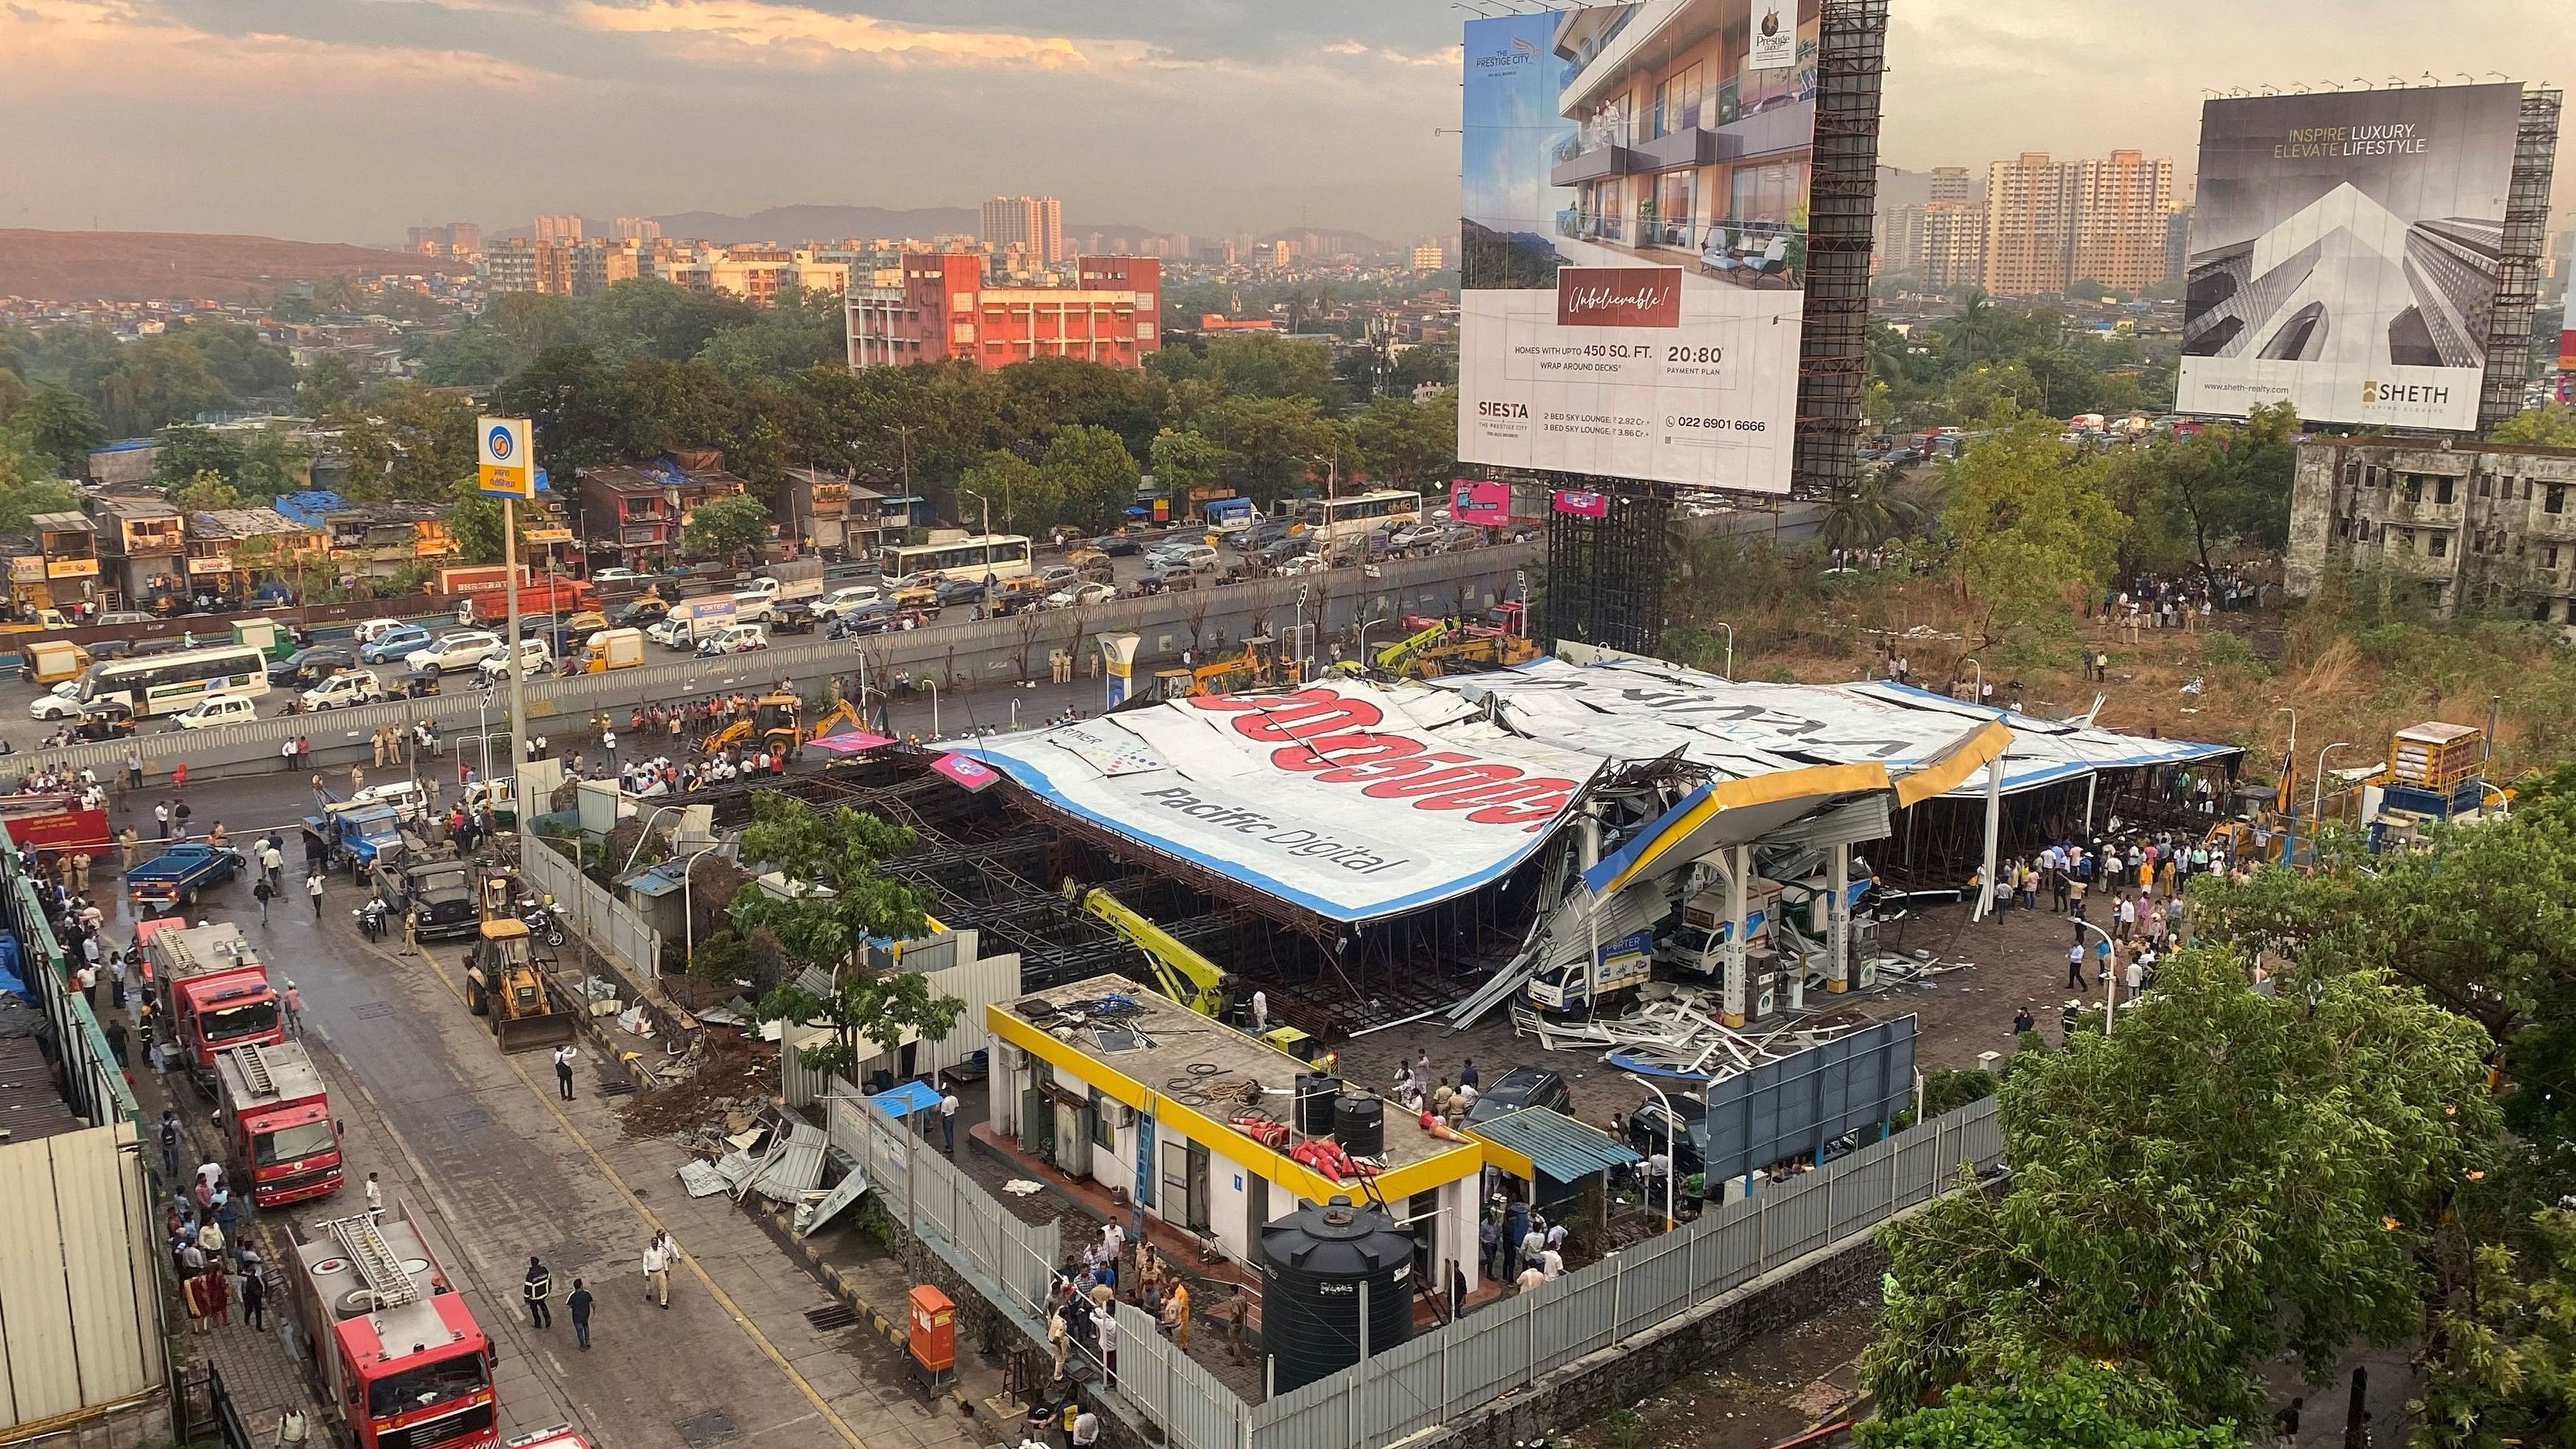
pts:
pixel 1633 239
pixel 2346 247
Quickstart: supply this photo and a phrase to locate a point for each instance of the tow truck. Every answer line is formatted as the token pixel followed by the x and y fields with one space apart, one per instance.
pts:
pixel 181 873
pixel 213 993
pixel 352 835
pixel 1182 974
pixel 1254 668
pixel 276 1119
pixel 1436 645
pixel 406 1365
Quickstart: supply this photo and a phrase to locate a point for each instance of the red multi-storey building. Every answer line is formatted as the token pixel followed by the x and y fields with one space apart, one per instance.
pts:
pixel 942 309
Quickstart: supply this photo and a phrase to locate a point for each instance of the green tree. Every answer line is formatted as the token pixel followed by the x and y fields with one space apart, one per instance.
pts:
pixel 1276 441
pixel 1867 513
pixel 189 453
pixel 2076 1406
pixel 726 528
pixel 1047 393
pixel 843 898
pixel 579 406
pixel 59 427
pixel 1018 496
pixel 207 491
pixel 1184 461
pixel 327 382
pixel 2499 1356
pixel 2228 1175
pixel 1091 476
pixel 158 380
pixel 1407 444
pixel 796 331
pixel 405 439
pixel 2550 425
pixel 2031 521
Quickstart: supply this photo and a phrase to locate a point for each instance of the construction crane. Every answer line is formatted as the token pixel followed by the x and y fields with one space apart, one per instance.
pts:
pixel 1429 652
pixel 1183 974
pixel 1251 669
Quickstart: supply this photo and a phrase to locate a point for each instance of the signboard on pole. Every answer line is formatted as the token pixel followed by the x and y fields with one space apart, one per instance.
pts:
pixel 1118 664
pixel 2346 251
pixel 1633 239
pixel 507 459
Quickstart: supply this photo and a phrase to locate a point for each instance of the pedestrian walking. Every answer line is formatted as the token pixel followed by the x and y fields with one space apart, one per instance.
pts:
pixel 2075 964
pixel 161 817
pixel 535 1288
pixel 658 1253
pixel 170 1144
pixel 294 1011
pixel 254 1297
pixel 948 1118
pixel 578 1305
pixel 261 892
pixel 293 1429
pixel 375 1198
pixel 563 1070
pixel 313 888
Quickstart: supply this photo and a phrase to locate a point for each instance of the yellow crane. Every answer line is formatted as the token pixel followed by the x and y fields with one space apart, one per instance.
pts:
pixel 1183 974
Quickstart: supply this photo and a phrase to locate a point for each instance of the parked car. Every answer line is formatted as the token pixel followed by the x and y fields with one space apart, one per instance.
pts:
pixel 1058 576
pixel 399 642
pixel 1522 1087
pixel 356 686
pixel 1169 574
pixel 842 600
pixel 959 591
pixel 536 661
pixel 122 617
pixel 1199 558
pixel 463 649
pixel 1116 545
pixel 615 576
pixel 216 709
pixel 370 630
pixel 734 639
pixel 1689 1134
pixel 1081 595
pixel 1304 563
pixel 310 666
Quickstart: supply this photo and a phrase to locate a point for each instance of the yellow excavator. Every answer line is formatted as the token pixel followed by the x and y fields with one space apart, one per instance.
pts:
pixel 772 719
pixel 505 982
pixel 1183 974
pixel 1429 653
pixel 1254 668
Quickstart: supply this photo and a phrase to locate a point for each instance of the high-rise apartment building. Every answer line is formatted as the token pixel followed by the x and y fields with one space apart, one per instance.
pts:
pixel 598 264
pixel 1950 183
pixel 1428 257
pixel 2052 223
pixel 1953 244
pixel 520 265
pixel 558 228
pixel 638 228
pixel 1035 222
pixel 455 239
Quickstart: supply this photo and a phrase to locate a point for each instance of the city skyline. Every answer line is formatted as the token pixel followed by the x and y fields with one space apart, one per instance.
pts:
pixel 356 121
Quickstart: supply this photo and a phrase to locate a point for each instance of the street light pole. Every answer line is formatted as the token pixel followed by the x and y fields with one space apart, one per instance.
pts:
pixel 1729 628
pixel 688 914
pixel 1672 1163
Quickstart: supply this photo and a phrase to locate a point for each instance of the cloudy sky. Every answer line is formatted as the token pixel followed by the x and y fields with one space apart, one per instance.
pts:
pixel 350 119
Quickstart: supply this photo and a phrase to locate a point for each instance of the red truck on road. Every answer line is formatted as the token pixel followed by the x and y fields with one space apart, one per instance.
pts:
pixel 405 1362
pixel 537 598
pixel 212 993
pixel 276 1117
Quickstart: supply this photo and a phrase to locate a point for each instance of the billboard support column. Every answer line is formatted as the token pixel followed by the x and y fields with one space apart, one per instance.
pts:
pixel 1837 921
pixel 1739 863
pixel 1117 668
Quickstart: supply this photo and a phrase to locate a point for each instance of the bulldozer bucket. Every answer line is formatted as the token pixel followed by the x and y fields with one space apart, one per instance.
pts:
pixel 532 1032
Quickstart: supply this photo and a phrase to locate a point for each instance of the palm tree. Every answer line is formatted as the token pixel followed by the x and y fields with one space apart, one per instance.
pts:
pixel 1867 513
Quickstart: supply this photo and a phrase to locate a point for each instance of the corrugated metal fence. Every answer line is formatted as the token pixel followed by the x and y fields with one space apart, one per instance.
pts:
pixel 1433 1379
pixel 1510 1345
pixel 954 969
pixel 608 924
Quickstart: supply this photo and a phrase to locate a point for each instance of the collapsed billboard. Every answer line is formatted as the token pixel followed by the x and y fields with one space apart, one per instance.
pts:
pixel 2345 254
pixel 1633 239
pixel 1347 800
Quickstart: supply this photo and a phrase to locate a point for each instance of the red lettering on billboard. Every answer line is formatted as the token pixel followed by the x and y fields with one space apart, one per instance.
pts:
pixel 1619 296
pixel 1313 728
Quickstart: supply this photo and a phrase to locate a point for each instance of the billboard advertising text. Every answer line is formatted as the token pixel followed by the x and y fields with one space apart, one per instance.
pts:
pixel 2344 257
pixel 1633 239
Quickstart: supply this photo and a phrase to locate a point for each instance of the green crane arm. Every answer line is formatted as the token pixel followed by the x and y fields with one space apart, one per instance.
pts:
pixel 1186 976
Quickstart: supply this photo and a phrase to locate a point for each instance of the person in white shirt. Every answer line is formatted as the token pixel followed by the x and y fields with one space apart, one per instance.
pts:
pixel 658 1254
pixel 948 1119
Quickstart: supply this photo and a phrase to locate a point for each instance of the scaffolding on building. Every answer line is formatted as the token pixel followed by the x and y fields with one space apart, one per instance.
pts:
pixel 1842 196
pixel 2518 254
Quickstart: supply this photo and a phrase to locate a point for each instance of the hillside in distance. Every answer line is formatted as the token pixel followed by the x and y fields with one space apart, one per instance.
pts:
pixel 144 266
pixel 788 225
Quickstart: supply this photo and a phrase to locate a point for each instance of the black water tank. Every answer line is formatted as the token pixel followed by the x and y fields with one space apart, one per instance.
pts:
pixel 1313 1262
pixel 1315 1094
pixel 1359 1124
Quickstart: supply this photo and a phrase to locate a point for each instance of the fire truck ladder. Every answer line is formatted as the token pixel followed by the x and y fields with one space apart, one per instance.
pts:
pixel 376 1262
pixel 254 1070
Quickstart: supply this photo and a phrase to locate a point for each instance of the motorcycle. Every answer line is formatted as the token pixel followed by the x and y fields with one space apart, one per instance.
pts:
pixel 372 916
pixel 542 922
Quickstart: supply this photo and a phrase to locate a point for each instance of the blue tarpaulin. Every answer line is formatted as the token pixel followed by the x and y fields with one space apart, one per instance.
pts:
pixel 909 1098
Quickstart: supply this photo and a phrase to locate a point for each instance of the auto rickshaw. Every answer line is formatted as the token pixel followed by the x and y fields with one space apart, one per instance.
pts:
pixel 416 684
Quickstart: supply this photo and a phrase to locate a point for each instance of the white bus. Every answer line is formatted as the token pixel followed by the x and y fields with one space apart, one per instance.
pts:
pixel 997 556
pixel 168 683
pixel 1329 521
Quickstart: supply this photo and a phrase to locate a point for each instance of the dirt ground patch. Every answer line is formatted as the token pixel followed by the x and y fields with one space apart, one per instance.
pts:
pixel 1772 1389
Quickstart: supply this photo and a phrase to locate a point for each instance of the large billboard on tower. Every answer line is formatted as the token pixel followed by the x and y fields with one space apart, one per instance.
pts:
pixel 2345 249
pixel 1633 239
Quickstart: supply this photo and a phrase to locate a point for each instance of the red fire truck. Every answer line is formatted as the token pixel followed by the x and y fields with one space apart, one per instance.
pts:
pixel 54 823
pixel 277 1121
pixel 407 1366
pixel 212 993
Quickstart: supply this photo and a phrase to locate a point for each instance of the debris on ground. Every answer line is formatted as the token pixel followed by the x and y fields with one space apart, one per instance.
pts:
pixel 731 1082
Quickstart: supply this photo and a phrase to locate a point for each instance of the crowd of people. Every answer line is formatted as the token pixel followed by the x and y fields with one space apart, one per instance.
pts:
pixel 2173 601
pixel 2123 893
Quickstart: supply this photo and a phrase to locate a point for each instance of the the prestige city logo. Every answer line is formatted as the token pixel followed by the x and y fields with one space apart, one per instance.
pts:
pixel 2317 143
pixel 1523 51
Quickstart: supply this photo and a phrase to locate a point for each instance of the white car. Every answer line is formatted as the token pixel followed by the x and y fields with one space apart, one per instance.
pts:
pixel 1418 536
pixel 1304 563
pixel 216 709
pixel 462 649
pixel 356 686
pixel 535 660
pixel 1081 596
pixel 406 796
pixel 735 639
pixel 614 576
pixel 841 601
pixel 60 702
pixel 371 630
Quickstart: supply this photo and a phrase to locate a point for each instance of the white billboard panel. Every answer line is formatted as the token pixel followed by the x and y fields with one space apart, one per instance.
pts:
pixel 1633 239
pixel 2345 249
